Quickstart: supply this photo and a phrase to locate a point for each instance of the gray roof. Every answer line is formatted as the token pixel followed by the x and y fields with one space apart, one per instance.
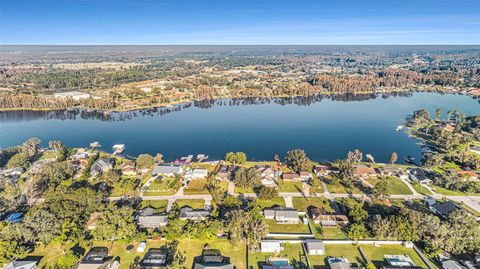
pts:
pixel 154 258
pixel 315 245
pixel 340 265
pixel 269 266
pixel 451 264
pixel 166 169
pixel 189 213
pixel 283 212
pixel 152 221
pixel 102 165
pixel 445 208
pixel 21 265
pixel 213 265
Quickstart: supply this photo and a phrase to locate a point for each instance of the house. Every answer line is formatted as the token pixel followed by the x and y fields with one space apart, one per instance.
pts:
pixel 22 264
pixel 196 173
pixel 277 263
pixel 226 172
pixel 338 263
pixel 475 149
pixel 270 246
pixel 419 175
pixel 468 175
pixel 320 216
pixel 282 215
pixel 399 260
pixel 128 168
pixel 267 175
pixel 149 219
pixel 96 258
pixel 443 209
pixel 305 176
pixel 291 177
pixel 167 170
pixel 74 95
pixel 212 259
pixel 315 247
pixel 448 127
pixel 81 155
pixel 189 213
pixel 320 170
pixel 364 171
pixel 101 165
pixel 155 258
pixel 451 264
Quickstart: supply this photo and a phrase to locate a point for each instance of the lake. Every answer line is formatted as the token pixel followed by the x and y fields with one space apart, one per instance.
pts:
pixel 326 127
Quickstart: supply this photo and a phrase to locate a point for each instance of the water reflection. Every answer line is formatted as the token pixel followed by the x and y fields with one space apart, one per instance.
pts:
pixel 73 114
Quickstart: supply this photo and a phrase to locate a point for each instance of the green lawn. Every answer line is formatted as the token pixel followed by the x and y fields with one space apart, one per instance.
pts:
pixel 294 252
pixel 193 203
pixel 444 191
pixel 327 233
pixel 196 186
pixel 290 187
pixel 160 205
pixel 193 248
pixel 243 190
pixel 162 187
pixel 395 185
pixel 347 251
pixel 302 203
pixel 335 186
pixel 375 254
pixel 277 201
pixel 420 189
pixel 209 167
pixel 299 228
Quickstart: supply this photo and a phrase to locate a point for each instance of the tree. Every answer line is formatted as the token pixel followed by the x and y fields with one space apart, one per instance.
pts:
pixel 420 116
pixel 247 178
pixel 159 158
pixel 40 225
pixel 357 213
pixel 267 193
pixel 380 190
pixel 236 157
pixel 438 114
pixel 357 231
pixel 345 168
pixel 68 260
pixel 145 161
pixel 30 147
pixel 19 160
pixel 393 158
pixel 174 258
pixel 298 161
pixel 464 233
pixel 246 227
pixel 116 223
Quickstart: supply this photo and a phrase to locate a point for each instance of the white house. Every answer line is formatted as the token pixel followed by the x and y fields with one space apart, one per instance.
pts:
pixel 167 170
pixel 270 246
pixel 74 95
pixel 196 173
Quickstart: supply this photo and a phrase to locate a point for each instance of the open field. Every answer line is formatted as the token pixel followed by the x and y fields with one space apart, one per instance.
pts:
pixel 277 201
pixel 395 185
pixel 193 203
pixel 299 228
pixel 347 251
pixel 302 203
pixel 197 186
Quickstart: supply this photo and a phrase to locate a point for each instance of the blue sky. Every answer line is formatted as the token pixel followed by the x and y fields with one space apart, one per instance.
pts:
pixel 239 22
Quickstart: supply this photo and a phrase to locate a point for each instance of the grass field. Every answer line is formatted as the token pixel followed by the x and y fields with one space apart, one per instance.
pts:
pixel 395 185
pixel 327 233
pixel 290 187
pixel 197 186
pixel 294 252
pixel 160 205
pixel 375 254
pixel 193 203
pixel 302 203
pixel 420 189
pixel 277 201
pixel 347 251
pixel 193 248
pixel 299 228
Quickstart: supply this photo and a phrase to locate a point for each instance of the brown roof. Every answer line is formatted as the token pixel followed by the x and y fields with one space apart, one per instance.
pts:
pixel 364 170
pixel 290 176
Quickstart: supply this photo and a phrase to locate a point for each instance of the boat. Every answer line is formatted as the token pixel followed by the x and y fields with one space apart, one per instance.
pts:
pixel 399 128
pixel 95 145
pixel 410 159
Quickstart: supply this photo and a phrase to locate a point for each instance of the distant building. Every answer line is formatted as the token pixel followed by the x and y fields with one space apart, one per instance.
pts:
pixel 282 215
pixel 149 219
pixel 212 259
pixel 338 263
pixel 226 172
pixel 451 264
pixel 22 264
pixel 291 177
pixel 315 247
pixel 364 171
pixel 443 209
pixel 196 173
pixel 189 213
pixel 320 216
pixel 273 246
pixel 419 175
pixel 101 165
pixel 267 176
pixel 74 95
pixel 305 176
pixel 321 170
pixel 167 170
pixel 128 168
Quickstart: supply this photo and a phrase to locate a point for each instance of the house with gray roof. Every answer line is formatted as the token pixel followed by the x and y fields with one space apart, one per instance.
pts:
pixel 189 213
pixel 282 215
pixel 155 258
pixel 167 170
pixel 212 259
pixel 443 209
pixel 149 219
pixel 101 165
pixel 315 247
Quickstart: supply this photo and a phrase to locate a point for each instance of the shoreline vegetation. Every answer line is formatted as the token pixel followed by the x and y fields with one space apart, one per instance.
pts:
pixel 187 101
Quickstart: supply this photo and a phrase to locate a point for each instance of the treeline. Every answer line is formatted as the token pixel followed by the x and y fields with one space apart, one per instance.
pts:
pixel 27 101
